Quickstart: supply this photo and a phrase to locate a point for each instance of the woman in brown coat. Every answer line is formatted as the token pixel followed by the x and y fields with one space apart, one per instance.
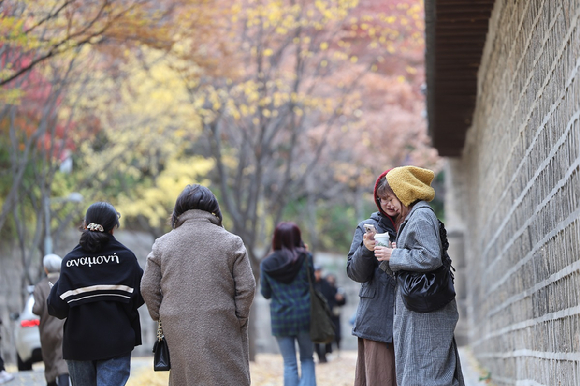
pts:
pixel 198 281
pixel 55 367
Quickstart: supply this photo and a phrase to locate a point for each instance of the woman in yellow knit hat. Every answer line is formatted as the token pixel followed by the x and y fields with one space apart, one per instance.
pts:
pixel 425 348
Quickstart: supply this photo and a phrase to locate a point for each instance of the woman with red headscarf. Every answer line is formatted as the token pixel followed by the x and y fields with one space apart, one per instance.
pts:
pixel 374 317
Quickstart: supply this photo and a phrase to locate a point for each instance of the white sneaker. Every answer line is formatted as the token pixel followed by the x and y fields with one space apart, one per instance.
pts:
pixel 5 377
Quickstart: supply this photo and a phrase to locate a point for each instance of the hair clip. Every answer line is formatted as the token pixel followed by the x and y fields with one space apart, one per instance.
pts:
pixel 95 227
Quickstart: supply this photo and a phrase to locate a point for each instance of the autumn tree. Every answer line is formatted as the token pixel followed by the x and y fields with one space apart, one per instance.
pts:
pixel 48 32
pixel 145 128
pixel 43 50
pixel 33 147
pixel 35 31
pixel 283 118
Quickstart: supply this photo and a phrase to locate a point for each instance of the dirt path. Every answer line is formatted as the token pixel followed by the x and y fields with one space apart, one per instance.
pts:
pixel 267 370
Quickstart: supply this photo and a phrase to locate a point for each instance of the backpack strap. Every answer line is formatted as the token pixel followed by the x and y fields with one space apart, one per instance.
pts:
pixel 445 258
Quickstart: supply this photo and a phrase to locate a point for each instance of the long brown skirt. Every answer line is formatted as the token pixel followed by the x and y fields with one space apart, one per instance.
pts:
pixel 375 364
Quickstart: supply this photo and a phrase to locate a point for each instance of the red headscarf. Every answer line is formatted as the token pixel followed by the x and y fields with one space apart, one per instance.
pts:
pixel 376 197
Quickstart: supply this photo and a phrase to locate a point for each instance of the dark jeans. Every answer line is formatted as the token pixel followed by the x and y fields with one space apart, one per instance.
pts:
pixel 108 372
pixel 287 345
pixel 61 380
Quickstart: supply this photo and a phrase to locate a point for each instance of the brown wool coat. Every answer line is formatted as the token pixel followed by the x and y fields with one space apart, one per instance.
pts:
pixel 50 331
pixel 198 279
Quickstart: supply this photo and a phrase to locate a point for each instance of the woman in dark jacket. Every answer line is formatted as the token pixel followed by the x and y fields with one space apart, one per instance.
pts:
pixel 284 280
pixel 374 318
pixel 98 291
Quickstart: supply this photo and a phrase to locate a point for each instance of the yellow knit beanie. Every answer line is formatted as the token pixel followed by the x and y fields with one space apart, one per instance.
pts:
pixel 411 183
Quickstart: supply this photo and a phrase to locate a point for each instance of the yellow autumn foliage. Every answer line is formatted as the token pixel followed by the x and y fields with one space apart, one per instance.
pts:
pixel 156 202
pixel 148 122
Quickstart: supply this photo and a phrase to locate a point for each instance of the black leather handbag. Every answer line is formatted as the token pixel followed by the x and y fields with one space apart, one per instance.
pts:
pixel 429 291
pixel 161 361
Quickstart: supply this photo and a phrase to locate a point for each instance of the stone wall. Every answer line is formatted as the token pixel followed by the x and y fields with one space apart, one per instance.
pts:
pixel 516 195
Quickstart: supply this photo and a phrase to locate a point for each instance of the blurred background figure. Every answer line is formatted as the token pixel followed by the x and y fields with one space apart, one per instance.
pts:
pixel 284 280
pixel 335 301
pixel 339 301
pixel 4 375
pixel 55 367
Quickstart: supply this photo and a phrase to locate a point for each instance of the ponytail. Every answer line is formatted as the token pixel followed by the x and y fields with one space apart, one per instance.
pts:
pixel 101 218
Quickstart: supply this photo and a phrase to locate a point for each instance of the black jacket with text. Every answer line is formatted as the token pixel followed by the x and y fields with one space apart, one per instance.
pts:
pixel 99 294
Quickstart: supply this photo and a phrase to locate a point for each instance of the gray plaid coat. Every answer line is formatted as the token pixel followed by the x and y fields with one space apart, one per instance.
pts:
pixel 425 349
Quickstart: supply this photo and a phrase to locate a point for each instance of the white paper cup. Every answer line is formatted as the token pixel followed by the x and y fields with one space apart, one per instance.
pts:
pixel 382 240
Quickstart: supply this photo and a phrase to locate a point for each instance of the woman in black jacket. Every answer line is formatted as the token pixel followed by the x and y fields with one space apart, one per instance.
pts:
pixel 374 318
pixel 98 292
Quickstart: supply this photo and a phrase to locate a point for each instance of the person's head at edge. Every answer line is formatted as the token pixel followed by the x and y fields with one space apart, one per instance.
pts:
pixel 330 278
pixel 195 196
pixel 407 185
pixel 100 220
pixel 317 272
pixel 288 240
pixel 51 263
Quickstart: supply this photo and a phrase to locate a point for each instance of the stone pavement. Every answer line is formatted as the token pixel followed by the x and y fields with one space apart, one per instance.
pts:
pixel 26 378
pixel 35 377
pixel 471 369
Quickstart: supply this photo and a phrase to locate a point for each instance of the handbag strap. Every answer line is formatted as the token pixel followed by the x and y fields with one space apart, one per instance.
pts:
pixel 308 272
pixel 445 258
pixel 159 331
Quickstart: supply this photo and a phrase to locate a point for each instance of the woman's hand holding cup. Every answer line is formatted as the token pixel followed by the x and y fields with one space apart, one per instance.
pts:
pixel 383 253
pixel 383 247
